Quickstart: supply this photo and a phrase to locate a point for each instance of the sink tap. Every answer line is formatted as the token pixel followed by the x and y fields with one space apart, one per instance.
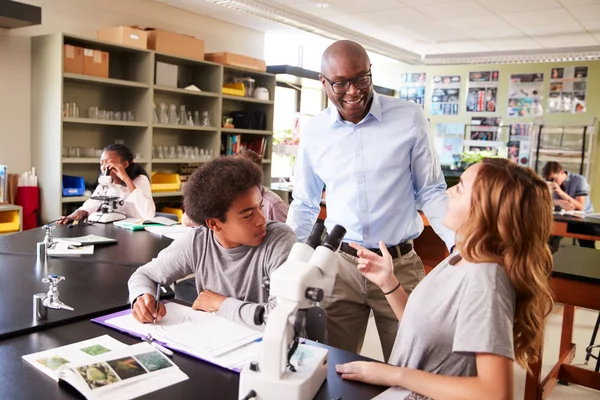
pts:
pixel 41 301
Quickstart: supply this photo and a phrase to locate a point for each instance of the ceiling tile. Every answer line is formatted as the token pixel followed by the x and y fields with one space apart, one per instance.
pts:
pixel 512 44
pixel 567 41
pixel 354 22
pixel 424 2
pixel 585 12
pixel 553 29
pixel 362 6
pixel 592 25
pixel 485 27
pixel 309 7
pixel 464 47
pixel 547 17
pixel 427 48
pixel 463 9
pixel 513 6
pixel 393 37
pixel 397 16
pixel 432 31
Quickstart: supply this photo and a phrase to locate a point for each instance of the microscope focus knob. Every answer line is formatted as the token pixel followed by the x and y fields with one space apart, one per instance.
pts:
pixel 314 294
pixel 259 316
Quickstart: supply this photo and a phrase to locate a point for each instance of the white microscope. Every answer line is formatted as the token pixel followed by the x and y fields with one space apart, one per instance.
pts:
pixel 110 200
pixel 298 284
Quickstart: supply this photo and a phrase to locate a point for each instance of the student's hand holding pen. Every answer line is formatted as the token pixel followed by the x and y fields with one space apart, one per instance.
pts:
pixel 144 309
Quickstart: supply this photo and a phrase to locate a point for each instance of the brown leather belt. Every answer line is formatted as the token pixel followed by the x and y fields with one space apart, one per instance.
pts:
pixel 404 248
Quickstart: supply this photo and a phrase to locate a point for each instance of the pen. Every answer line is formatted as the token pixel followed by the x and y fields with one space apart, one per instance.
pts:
pixel 157 300
pixel 162 349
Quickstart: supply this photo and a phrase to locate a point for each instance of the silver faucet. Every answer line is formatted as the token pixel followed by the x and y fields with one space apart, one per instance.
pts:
pixel 48 242
pixel 41 301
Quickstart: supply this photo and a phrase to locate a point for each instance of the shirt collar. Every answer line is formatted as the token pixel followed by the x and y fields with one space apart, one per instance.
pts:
pixel 375 111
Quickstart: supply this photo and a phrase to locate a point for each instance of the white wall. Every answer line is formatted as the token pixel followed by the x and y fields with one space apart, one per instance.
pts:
pixel 85 17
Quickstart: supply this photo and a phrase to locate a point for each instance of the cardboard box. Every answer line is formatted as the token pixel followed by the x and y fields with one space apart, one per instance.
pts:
pixel 72 59
pixel 166 74
pixel 95 63
pixel 126 35
pixel 175 44
pixel 237 60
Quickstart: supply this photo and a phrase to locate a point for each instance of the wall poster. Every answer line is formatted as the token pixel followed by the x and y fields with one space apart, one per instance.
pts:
pixel 412 87
pixel 525 95
pixel 568 88
pixel 445 95
pixel 482 91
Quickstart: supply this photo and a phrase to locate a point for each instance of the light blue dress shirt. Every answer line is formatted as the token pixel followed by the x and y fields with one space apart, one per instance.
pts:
pixel 378 173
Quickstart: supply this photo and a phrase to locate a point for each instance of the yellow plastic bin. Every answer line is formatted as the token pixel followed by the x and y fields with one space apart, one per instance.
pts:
pixel 9 221
pixel 175 211
pixel 163 182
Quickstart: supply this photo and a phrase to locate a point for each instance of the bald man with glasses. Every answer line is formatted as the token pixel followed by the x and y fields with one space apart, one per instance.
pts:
pixel 376 157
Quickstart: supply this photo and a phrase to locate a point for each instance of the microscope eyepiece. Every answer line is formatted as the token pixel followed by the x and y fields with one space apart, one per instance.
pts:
pixel 334 239
pixel 317 235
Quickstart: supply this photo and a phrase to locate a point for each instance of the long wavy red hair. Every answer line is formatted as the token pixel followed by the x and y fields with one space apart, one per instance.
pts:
pixel 509 224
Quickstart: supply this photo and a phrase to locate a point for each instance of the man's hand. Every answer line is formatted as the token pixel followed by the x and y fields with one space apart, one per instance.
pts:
pixel 208 301
pixel 144 309
pixel 78 215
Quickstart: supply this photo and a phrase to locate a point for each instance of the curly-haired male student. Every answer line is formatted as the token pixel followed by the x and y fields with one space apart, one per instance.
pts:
pixel 229 254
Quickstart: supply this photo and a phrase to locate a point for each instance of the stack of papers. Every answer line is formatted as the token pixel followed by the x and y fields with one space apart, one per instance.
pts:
pixel 85 240
pixel 172 232
pixel 68 249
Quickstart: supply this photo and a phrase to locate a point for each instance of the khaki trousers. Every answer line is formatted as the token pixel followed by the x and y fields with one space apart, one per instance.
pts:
pixel 354 296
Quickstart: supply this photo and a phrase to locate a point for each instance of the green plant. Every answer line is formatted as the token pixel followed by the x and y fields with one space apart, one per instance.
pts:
pixel 472 157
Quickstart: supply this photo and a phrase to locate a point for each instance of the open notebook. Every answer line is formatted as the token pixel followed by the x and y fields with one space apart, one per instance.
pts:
pixel 137 224
pixel 104 368
pixel 202 335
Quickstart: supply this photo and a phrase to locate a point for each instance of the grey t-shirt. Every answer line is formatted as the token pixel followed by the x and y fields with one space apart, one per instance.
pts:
pixel 235 273
pixel 576 185
pixel 454 313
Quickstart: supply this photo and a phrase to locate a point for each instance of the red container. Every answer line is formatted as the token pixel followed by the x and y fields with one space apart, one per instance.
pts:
pixel 28 197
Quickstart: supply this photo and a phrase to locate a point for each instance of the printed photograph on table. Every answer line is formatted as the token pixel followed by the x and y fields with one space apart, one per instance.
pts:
pixel 445 96
pixel 568 88
pixel 412 87
pixel 98 375
pixel 525 95
pixel 482 91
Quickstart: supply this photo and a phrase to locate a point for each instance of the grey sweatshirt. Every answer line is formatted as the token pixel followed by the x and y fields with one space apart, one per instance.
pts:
pixel 235 273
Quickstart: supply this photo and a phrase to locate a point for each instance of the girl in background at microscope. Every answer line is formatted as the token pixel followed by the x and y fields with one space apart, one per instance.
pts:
pixel 132 178
pixel 482 308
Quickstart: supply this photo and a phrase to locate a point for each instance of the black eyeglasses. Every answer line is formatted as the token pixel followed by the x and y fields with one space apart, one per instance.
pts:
pixel 341 87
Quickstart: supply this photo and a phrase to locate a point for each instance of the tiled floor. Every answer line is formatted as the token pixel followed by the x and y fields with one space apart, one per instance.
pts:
pixel 584 324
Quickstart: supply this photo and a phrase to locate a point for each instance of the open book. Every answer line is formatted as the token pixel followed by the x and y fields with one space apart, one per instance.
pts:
pixel 202 335
pixel 109 369
pixel 137 224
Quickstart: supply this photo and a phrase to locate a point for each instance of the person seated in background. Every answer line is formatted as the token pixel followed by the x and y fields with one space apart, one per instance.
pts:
pixel 569 192
pixel 134 186
pixel 231 251
pixel 485 305
pixel 274 208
